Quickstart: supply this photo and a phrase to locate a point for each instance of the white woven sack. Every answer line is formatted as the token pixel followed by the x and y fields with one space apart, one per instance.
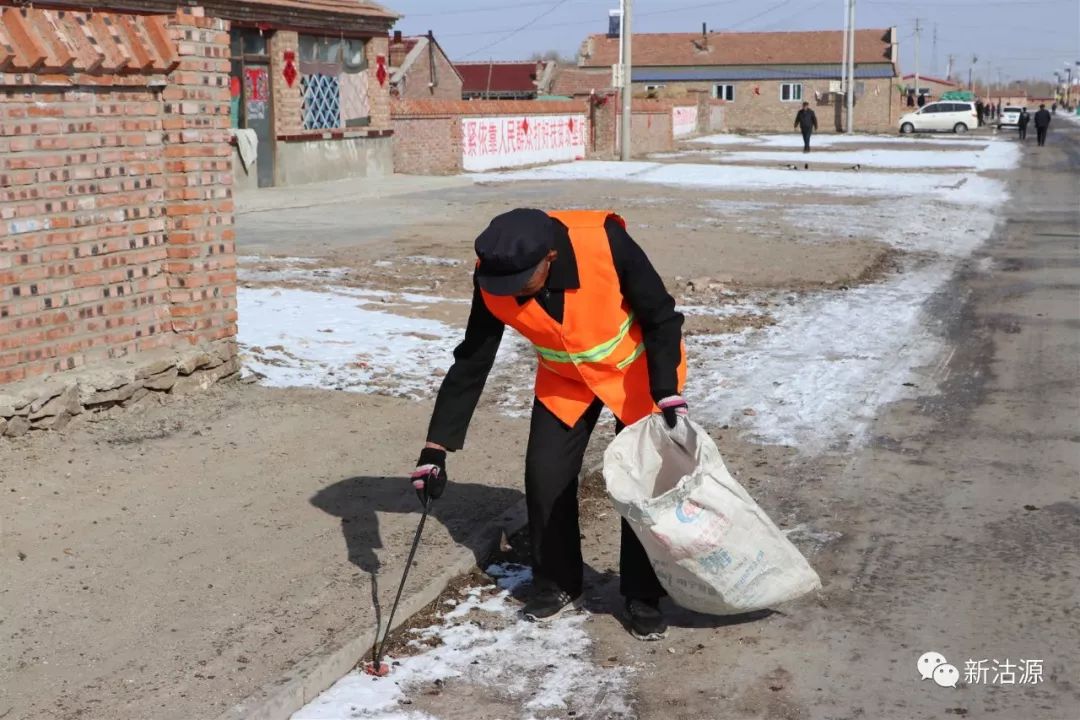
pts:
pixel 714 550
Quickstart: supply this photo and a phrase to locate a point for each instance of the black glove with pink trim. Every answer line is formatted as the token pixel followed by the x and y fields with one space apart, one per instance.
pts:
pixel 672 407
pixel 429 478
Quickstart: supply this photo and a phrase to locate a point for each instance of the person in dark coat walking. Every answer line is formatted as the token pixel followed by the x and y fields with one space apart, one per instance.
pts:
pixel 980 109
pixel 1022 123
pixel 1042 124
pixel 806 120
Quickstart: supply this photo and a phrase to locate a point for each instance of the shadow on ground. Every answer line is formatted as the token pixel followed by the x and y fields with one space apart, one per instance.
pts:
pixel 358 500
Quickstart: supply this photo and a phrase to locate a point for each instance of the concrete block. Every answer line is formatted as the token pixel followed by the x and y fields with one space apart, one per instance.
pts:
pixel 138 395
pixel 53 422
pixel 116 395
pixel 17 427
pixel 154 367
pixel 188 361
pixel 43 393
pixel 162 381
pixel 66 402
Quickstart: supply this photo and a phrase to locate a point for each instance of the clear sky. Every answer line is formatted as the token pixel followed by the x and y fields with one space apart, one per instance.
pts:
pixel 1019 39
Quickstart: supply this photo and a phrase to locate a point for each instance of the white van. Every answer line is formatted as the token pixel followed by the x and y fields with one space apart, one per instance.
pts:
pixel 942 116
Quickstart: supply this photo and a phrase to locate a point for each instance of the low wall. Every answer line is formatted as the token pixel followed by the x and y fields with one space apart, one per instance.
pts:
pixel 438 137
pixel 302 161
pixel 684 120
pixel 427 145
pixel 244 179
pixel 52 403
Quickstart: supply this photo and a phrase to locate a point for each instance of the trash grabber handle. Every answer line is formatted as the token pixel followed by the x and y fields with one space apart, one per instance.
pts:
pixel 401 587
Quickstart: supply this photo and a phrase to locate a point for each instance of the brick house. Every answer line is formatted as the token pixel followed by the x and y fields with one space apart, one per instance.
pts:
pixel 420 70
pixel 505 80
pixel 931 88
pixel 763 77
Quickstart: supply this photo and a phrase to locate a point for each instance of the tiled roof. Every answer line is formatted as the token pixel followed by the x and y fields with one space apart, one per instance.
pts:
pixel 758 72
pixel 398 51
pixel 750 48
pixel 341 7
pixel 66 41
pixel 571 80
pixel 499 77
pixel 399 108
pixel 928 78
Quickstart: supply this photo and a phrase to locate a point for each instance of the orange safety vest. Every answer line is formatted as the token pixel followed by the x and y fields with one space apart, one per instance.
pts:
pixel 597 351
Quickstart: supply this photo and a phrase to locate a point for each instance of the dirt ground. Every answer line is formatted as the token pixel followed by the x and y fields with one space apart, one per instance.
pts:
pixel 167 562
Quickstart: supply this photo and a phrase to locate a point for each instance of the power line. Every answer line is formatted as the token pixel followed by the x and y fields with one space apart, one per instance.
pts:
pixel 515 31
pixel 476 9
pixel 766 11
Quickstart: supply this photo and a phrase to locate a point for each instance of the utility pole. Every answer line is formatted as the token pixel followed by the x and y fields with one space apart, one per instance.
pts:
pixel 918 33
pixel 948 72
pixel 934 56
pixel 627 86
pixel 971 69
pixel 844 42
pixel 851 68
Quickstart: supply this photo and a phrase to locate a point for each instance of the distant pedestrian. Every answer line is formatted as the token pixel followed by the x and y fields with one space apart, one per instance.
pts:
pixel 922 99
pixel 1042 124
pixel 911 98
pixel 1053 109
pixel 980 111
pixel 1022 123
pixel 806 120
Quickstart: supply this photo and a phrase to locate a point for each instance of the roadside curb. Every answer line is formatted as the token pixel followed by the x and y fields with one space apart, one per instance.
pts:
pixel 279 699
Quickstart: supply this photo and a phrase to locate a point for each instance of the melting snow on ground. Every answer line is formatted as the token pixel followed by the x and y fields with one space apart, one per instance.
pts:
pixel 794 140
pixel 291 337
pixel 994 156
pixel 952 187
pixel 813 380
pixel 541 670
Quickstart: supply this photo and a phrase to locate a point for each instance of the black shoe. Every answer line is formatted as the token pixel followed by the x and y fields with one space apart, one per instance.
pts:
pixel 644 619
pixel 548 602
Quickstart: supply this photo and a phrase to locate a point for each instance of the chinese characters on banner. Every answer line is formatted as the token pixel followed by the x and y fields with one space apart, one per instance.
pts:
pixel 684 120
pixel 500 142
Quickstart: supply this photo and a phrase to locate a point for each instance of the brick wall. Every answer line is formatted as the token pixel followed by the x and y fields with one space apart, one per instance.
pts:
pixel 379 95
pixel 287 101
pixel 115 209
pixel 416 83
pixel 198 197
pixel 427 145
pixel 764 111
pixel 650 127
pixel 428 133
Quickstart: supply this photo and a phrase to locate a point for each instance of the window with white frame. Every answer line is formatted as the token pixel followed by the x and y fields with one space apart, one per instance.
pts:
pixel 791 92
pixel 724 92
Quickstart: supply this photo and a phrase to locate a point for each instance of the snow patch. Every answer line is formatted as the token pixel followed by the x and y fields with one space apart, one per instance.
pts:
pixel 301 338
pixel 543 669
pixel 950 187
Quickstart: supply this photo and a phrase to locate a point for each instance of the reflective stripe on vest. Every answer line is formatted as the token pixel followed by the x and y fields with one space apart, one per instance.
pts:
pixel 594 354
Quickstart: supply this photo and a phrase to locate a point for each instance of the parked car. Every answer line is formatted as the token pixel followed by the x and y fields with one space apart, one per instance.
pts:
pixel 942 116
pixel 1009 116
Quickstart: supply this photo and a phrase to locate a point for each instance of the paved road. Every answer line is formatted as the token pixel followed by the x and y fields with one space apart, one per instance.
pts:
pixel 961 523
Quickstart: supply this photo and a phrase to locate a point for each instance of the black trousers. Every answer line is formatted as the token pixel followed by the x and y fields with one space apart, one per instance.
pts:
pixel 806 133
pixel 1040 132
pixel 1023 132
pixel 552 465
